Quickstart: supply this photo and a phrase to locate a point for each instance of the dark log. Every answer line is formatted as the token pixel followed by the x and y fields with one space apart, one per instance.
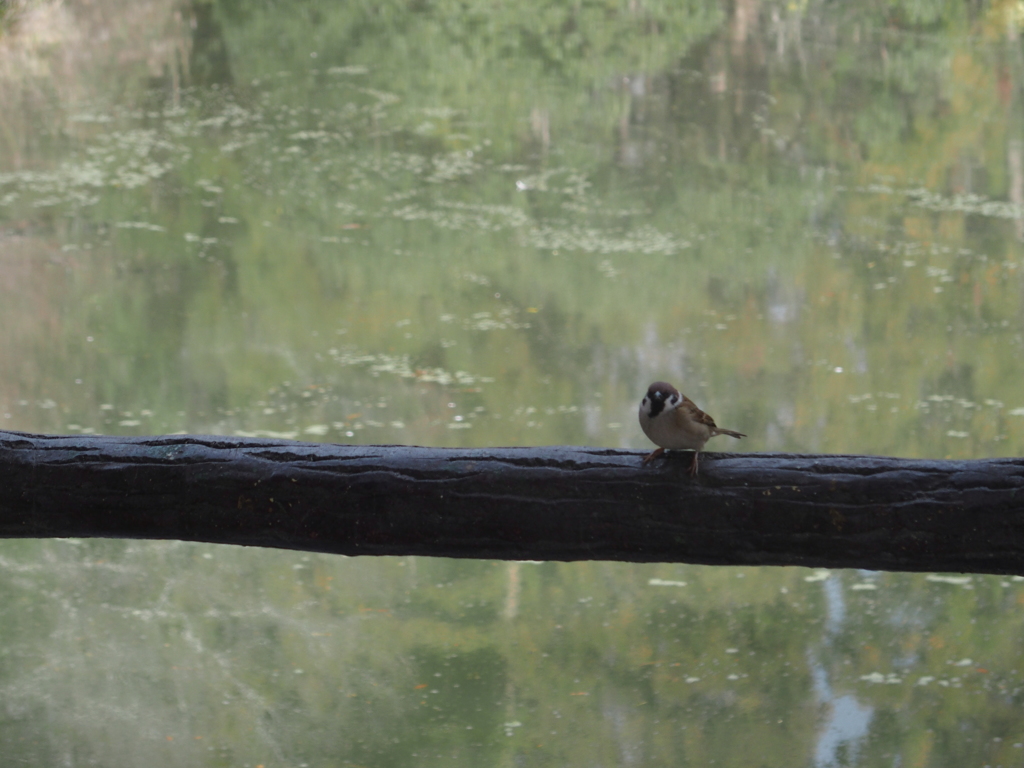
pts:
pixel 551 503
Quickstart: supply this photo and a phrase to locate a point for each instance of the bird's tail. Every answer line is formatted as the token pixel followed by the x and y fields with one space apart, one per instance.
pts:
pixel 729 432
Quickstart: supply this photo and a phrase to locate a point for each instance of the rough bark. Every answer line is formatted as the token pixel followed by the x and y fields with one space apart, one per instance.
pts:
pixel 550 503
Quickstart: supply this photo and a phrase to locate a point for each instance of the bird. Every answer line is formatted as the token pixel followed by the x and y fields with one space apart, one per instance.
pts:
pixel 672 420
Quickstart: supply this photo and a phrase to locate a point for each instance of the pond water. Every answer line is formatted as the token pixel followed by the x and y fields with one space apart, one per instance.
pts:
pixel 487 224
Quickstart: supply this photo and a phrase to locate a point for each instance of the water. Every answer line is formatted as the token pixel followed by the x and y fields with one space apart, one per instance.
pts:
pixel 491 226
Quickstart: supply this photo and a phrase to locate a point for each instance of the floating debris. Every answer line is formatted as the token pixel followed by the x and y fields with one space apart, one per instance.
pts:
pixel 140 225
pixel 401 365
pixel 267 433
pixel 666 583
pixel 957 580
pixel 879 678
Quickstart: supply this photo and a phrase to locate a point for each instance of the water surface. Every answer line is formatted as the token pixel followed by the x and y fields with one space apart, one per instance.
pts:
pixel 495 226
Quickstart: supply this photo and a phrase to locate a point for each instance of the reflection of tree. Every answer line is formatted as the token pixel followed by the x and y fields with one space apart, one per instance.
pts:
pixel 654 236
pixel 55 57
pixel 209 62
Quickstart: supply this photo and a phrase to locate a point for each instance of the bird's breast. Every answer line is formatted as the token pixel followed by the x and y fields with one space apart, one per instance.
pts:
pixel 671 429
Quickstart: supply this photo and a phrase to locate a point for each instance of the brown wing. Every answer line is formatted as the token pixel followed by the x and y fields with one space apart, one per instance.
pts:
pixel 696 413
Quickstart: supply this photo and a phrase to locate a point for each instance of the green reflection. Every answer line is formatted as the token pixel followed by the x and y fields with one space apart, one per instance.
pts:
pixel 209 655
pixel 817 237
pixel 474 225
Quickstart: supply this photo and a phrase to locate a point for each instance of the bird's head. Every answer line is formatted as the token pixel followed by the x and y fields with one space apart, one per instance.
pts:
pixel 659 396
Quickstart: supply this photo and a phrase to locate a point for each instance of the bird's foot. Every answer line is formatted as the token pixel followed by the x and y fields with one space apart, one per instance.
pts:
pixel 693 465
pixel 652 456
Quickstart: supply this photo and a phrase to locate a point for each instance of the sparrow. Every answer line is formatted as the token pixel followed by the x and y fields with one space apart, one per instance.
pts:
pixel 672 420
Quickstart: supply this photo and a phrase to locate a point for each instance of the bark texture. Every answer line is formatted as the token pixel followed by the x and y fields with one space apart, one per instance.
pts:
pixel 550 503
